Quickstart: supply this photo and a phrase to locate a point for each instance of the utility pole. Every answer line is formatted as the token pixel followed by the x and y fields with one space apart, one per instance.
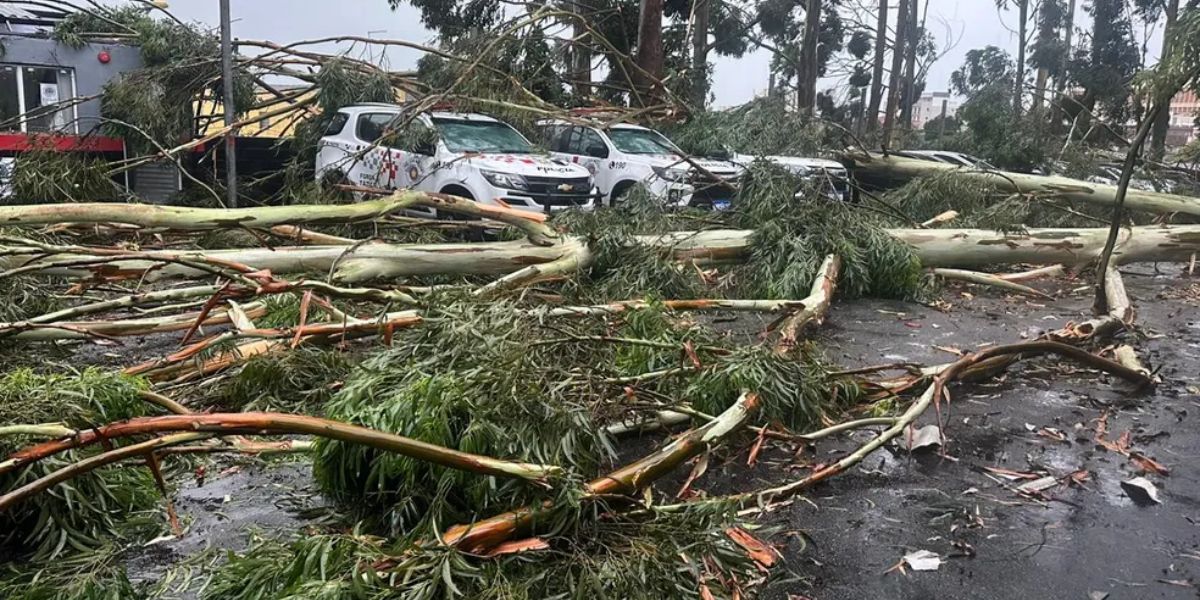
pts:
pixel 230 111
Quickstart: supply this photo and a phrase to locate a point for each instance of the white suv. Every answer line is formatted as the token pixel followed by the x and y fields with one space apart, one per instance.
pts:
pixel 465 154
pixel 620 156
pixel 827 175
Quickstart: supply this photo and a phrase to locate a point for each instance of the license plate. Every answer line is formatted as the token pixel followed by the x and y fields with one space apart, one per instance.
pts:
pixel 722 204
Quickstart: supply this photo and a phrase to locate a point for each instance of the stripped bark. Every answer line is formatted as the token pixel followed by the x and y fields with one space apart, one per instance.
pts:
pixel 1120 315
pixel 815 306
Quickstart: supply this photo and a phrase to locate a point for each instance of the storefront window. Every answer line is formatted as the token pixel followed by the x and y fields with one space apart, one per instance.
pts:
pixel 37 93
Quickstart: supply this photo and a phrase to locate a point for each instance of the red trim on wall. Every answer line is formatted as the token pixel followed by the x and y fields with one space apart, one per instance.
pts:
pixel 23 142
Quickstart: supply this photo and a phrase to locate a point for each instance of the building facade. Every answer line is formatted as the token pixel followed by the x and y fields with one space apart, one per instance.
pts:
pixel 930 105
pixel 1184 109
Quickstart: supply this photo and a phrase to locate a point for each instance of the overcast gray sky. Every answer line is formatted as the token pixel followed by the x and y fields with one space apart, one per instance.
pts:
pixel 965 24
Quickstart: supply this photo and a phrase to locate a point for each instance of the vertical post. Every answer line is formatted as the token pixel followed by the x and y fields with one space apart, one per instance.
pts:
pixel 942 125
pixel 230 111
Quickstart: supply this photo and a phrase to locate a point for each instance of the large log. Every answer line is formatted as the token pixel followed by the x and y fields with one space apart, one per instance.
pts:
pixel 963 248
pixel 977 247
pixel 348 263
pixel 267 217
pixel 877 170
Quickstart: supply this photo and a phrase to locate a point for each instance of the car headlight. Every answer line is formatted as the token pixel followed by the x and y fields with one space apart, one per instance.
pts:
pixel 507 181
pixel 670 174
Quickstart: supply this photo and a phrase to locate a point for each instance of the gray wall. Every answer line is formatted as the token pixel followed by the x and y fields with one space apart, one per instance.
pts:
pixel 90 73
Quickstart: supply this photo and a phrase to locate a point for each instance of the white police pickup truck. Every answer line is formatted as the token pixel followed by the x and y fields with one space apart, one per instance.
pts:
pixel 465 154
pixel 620 156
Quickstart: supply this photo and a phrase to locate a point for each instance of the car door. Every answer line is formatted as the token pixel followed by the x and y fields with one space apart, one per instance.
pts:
pixel 334 148
pixel 374 164
pixel 413 147
pixel 595 157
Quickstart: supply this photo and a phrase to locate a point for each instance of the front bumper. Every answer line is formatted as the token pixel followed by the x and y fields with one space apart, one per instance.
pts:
pixel 549 203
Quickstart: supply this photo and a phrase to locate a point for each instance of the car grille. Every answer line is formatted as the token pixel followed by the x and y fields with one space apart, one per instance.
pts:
pixel 545 190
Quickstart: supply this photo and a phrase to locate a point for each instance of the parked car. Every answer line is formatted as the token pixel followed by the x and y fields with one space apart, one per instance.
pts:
pixel 828 175
pixel 943 156
pixel 465 154
pixel 621 156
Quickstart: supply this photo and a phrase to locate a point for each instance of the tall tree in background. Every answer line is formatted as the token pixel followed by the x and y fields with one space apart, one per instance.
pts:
pixel 649 56
pixel 580 50
pixel 912 37
pixel 1022 35
pixel 800 55
pixel 1162 120
pixel 894 80
pixel 725 23
pixel 1060 85
pixel 1048 50
pixel 881 36
pixel 806 81
pixel 701 11
pixel 1106 67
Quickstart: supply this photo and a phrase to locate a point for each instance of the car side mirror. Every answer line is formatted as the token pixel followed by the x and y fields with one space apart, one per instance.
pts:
pixel 596 151
pixel 425 148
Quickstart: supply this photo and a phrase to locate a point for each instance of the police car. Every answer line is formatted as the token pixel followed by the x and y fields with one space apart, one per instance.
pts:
pixel 829 176
pixel 620 156
pixel 465 154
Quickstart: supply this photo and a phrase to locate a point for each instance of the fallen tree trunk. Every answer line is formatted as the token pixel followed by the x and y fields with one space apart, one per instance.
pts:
pixel 348 263
pixel 877 170
pixel 974 247
pixel 266 217
pixel 77 330
pixel 934 247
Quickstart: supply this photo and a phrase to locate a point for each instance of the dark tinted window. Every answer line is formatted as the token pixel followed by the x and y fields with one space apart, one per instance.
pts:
pixel 579 139
pixel 337 123
pixel 371 125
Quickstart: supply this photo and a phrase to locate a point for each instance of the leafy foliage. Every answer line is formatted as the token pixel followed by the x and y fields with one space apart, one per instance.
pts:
pixel 761 127
pixel 93 575
pixel 80 513
pixel 794 232
pixel 181 64
pixel 44 175
pixel 466 380
pixel 662 556
pixel 301 381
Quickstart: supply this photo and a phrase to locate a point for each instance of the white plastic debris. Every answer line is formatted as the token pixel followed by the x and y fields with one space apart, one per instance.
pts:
pixel 1141 491
pixel 928 436
pixel 1038 485
pixel 923 560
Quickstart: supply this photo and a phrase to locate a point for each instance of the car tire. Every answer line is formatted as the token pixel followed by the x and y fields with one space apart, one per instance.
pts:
pixel 619 192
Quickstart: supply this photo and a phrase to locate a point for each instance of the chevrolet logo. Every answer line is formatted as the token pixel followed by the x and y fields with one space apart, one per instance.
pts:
pixel 566 187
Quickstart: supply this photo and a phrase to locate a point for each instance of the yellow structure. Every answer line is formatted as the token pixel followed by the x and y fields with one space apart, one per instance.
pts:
pixel 209 115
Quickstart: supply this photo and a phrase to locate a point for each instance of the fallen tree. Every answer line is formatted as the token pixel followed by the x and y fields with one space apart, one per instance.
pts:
pixel 883 171
pixel 376 261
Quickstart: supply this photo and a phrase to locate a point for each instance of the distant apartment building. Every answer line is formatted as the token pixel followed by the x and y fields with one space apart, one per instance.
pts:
pixel 929 106
pixel 1184 109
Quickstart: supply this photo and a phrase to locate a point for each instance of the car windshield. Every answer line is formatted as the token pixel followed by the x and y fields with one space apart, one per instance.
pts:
pixel 481 136
pixel 640 141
